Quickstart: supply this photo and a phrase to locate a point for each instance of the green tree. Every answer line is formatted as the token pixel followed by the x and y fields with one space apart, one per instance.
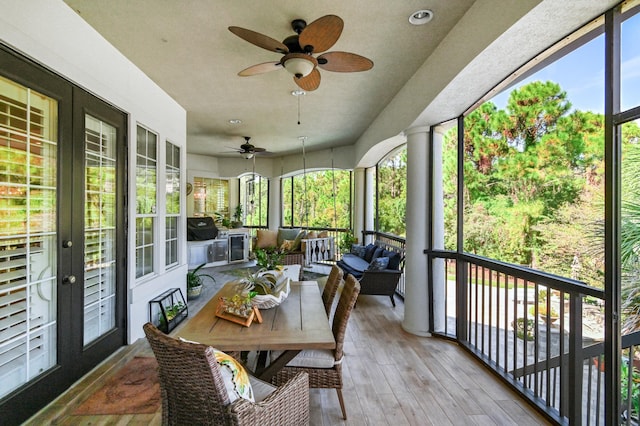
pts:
pixel 522 165
pixel 392 193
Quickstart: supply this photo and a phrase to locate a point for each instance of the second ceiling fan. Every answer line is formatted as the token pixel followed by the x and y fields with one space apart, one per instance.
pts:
pixel 298 51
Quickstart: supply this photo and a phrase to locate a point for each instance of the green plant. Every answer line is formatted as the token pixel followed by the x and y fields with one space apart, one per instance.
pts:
pixel 542 311
pixel 346 241
pixel 634 381
pixel 268 258
pixel 520 329
pixel 170 311
pixel 194 279
pixel 237 213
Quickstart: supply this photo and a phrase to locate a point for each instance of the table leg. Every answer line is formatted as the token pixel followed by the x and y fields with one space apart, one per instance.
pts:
pixel 276 365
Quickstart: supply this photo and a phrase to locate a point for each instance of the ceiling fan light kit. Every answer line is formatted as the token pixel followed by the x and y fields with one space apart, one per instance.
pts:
pixel 298 50
pixel 299 64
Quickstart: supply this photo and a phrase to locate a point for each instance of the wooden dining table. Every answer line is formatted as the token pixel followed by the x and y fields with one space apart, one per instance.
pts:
pixel 298 323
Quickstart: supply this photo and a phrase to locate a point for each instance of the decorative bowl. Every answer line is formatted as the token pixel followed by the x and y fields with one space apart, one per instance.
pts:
pixel 280 292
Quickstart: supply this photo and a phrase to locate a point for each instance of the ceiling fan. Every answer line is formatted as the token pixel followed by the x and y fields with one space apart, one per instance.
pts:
pixel 298 51
pixel 247 150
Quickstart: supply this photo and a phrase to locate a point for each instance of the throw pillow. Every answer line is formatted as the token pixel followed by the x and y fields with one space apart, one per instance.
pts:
pixel 323 234
pixel 311 235
pixel 297 243
pixel 358 250
pixel 266 238
pixel 379 264
pixel 287 245
pixel 377 253
pixel 287 234
pixel 394 259
pixel 235 377
pixel 369 249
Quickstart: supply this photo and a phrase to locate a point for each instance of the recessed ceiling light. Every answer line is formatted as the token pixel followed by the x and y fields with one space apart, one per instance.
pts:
pixel 420 17
pixel 298 92
pixel 235 121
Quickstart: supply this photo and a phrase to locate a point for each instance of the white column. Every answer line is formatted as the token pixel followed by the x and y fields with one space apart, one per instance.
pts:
pixel 275 203
pixel 369 197
pixel 358 203
pixel 416 301
pixel 439 278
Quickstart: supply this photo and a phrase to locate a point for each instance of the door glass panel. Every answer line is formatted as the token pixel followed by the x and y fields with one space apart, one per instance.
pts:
pixel 100 219
pixel 28 309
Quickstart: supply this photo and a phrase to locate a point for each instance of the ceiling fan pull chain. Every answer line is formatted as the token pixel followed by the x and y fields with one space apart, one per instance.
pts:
pixel 299 113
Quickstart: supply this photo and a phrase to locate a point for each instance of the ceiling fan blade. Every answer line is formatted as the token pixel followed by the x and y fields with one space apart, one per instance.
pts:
pixel 257 149
pixel 260 68
pixel 344 62
pixel 321 33
pixel 259 40
pixel 310 82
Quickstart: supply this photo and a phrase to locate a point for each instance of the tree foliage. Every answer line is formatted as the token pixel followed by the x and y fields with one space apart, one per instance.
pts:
pixel 392 193
pixel 321 199
pixel 522 166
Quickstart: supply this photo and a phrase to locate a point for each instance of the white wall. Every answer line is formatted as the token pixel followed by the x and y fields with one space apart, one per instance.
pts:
pixel 52 34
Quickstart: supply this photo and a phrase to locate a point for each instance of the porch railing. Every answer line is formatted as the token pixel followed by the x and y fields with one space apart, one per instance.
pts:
pixel 541 333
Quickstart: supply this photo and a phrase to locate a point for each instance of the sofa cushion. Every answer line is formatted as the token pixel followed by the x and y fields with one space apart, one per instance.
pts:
pixel 287 234
pixel 376 254
pixel 266 238
pixel 369 250
pixel 287 245
pixel 355 262
pixel 394 259
pixel 358 250
pixel 348 269
pixel 379 264
pixel 309 358
pixel 297 243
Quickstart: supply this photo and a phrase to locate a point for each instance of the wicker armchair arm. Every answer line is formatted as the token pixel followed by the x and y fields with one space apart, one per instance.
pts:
pixel 287 405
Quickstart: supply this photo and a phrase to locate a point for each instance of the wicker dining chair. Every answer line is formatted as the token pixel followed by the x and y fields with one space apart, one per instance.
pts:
pixel 193 389
pixel 329 376
pixel 331 287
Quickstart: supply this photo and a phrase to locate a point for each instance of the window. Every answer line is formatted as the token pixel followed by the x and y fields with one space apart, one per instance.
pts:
pixel 172 203
pixel 319 199
pixel 211 197
pixel 146 199
pixel 254 197
pixel 534 168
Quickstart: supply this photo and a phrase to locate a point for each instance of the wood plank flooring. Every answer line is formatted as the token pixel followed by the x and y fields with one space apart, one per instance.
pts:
pixel 391 378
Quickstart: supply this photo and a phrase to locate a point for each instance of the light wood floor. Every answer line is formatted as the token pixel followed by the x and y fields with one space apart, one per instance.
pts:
pixel 391 378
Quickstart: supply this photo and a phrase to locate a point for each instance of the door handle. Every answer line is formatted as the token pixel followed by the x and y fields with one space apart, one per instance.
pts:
pixel 69 279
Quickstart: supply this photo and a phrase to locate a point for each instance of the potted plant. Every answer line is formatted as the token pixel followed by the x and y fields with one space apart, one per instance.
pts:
pixel 237 216
pixel 268 258
pixel 195 282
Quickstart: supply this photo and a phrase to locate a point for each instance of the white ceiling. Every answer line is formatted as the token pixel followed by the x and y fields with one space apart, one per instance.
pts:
pixel 186 48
